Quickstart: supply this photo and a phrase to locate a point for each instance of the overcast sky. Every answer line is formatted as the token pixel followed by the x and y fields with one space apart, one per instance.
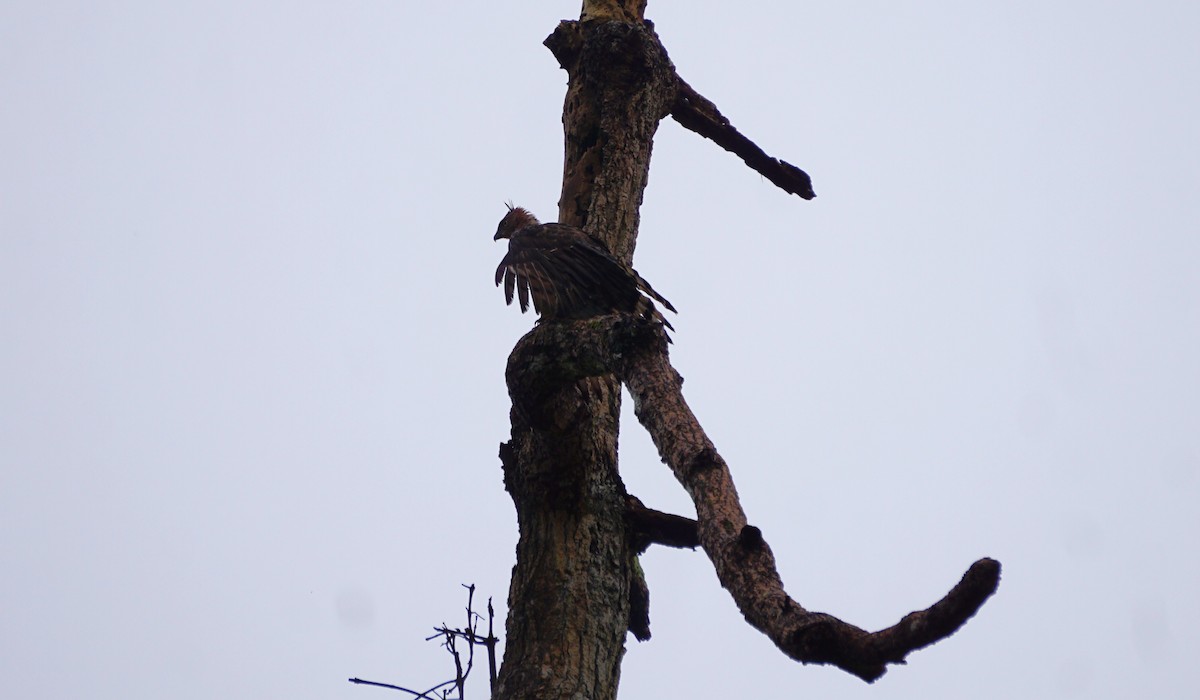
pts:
pixel 251 370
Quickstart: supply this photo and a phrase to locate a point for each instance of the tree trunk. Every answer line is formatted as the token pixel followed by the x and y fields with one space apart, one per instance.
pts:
pixel 569 598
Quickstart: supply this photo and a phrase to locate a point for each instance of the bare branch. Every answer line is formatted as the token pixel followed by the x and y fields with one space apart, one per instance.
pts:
pixel 656 527
pixel 449 637
pixel 695 112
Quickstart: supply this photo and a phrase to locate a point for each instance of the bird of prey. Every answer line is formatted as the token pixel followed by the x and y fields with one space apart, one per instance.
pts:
pixel 567 273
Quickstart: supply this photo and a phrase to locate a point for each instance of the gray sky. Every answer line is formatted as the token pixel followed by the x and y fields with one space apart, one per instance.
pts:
pixel 252 363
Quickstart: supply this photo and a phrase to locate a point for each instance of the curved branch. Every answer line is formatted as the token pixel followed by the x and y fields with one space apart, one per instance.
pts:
pixel 743 560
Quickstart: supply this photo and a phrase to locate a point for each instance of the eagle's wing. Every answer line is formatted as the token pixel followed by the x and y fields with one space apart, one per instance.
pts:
pixel 563 272
pixel 567 273
pixel 616 274
pixel 530 273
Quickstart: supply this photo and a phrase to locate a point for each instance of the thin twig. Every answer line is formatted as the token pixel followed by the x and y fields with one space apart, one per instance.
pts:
pixel 490 643
pixel 397 687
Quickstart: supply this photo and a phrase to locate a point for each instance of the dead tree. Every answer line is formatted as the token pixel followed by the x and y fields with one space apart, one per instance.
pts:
pixel 576 588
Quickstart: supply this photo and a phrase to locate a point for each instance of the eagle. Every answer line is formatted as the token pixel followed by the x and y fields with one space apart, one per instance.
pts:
pixel 569 274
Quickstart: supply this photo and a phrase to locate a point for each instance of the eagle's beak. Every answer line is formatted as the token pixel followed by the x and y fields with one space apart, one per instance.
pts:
pixel 497 237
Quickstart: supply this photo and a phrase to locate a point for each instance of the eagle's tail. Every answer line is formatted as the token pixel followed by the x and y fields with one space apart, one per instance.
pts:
pixel 648 311
pixel 645 287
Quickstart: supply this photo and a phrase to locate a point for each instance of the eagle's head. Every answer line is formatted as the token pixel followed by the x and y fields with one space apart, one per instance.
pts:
pixel 515 220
